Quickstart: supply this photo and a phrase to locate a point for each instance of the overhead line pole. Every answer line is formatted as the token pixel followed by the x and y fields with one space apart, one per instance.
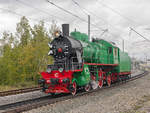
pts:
pixel 89 27
pixel 123 45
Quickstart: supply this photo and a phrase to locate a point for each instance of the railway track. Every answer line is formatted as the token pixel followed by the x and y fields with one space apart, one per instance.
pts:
pixel 19 91
pixel 38 102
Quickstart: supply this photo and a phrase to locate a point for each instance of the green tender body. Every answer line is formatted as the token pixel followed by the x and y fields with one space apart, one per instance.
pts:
pixel 124 62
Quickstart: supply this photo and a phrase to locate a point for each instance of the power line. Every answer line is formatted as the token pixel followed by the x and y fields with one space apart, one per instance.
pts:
pixel 115 11
pixel 89 12
pixel 139 34
pixel 72 14
pixel 83 10
pixel 45 12
pixel 18 14
pixel 130 20
pixel 103 32
pixel 99 18
pixel 140 42
pixel 67 11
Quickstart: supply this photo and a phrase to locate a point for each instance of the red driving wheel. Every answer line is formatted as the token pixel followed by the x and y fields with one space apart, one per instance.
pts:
pixel 75 88
pixel 100 82
pixel 109 80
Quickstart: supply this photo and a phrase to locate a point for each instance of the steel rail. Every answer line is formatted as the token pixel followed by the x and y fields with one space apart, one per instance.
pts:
pixel 43 101
pixel 18 91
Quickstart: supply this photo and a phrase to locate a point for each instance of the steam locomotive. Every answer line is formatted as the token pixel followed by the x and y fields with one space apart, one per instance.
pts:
pixel 80 63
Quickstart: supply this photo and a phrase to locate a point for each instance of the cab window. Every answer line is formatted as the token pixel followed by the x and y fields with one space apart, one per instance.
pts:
pixel 110 50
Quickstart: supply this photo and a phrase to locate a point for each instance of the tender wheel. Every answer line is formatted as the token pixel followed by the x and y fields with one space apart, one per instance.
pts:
pixel 87 87
pixel 100 81
pixel 74 85
pixel 109 80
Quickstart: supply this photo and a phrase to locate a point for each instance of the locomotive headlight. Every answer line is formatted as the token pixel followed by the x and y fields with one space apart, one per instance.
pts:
pixel 50 52
pixel 61 70
pixel 50 45
pixel 57 34
pixel 48 81
pixel 48 70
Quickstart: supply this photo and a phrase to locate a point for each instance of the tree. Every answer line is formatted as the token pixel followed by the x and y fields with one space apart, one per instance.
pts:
pixel 24 31
pixel 25 54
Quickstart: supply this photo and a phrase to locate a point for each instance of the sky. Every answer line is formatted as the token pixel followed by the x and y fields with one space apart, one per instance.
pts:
pixel 115 15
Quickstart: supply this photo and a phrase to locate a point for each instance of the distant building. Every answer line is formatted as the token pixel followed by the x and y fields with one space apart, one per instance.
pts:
pixel 148 62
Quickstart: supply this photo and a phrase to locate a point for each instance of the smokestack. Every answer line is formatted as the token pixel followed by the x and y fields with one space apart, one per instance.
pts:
pixel 65 29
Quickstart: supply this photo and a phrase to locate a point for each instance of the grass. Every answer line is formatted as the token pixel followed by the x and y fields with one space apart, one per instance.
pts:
pixel 18 86
pixel 6 88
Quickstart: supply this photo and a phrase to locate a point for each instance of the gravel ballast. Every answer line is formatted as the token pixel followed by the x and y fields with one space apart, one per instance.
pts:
pixel 119 99
pixel 20 97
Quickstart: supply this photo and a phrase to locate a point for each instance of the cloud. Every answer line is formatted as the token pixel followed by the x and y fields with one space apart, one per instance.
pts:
pixel 135 10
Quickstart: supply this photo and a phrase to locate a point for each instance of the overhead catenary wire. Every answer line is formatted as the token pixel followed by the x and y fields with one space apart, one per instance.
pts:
pixel 117 12
pixel 43 11
pixel 140 43
pixel 21 15
pixel 89 12
pixel 139 34
pixel 13 12
pixel 128 19
pixel 69 12
pixel 83 9
pixel 113 10
pixel 18 14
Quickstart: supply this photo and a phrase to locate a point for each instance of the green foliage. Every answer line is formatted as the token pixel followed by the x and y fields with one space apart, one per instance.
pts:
pixel 24 54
